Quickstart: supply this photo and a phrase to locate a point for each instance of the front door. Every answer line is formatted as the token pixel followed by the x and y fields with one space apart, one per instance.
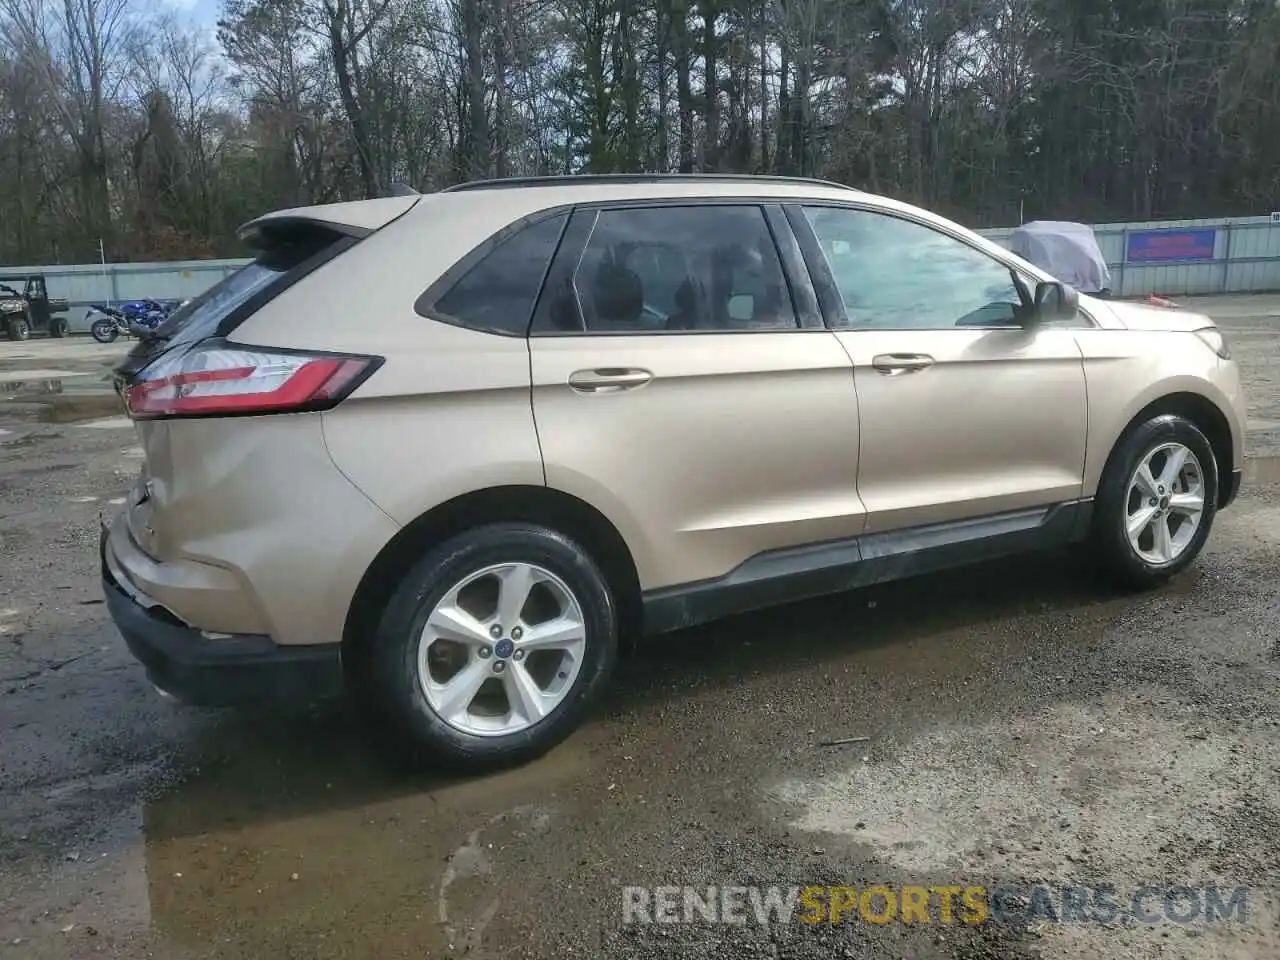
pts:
pixel 677 390
pixel 966 413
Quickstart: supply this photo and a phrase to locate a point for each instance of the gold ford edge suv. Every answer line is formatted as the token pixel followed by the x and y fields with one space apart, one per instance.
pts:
pixel 446 450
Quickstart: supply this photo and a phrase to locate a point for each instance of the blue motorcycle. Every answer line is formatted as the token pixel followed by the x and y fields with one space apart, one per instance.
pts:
pixel 136 318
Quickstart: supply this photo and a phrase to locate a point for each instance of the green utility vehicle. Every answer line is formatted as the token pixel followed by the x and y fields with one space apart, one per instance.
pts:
pixel 25 308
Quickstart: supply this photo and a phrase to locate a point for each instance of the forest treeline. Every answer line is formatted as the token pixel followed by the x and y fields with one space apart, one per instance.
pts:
pixel 122 122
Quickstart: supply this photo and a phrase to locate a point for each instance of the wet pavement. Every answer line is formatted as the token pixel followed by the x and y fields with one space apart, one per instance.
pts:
pixel 1022 726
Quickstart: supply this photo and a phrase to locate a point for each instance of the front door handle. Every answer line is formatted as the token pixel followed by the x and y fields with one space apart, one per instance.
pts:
pixel 896 364
pixel 609 379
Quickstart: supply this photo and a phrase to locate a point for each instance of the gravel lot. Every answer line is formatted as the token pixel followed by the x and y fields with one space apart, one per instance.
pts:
pixel 1024 727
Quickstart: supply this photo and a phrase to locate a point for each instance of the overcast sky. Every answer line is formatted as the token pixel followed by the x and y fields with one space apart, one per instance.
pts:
pixel 203 12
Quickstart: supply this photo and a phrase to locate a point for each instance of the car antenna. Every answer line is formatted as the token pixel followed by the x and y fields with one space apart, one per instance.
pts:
pixel 401 189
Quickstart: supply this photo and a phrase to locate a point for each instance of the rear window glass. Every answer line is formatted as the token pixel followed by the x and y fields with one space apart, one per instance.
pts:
pixel 213 312
pixel 202 316
pixel 499 293
pixel 199 318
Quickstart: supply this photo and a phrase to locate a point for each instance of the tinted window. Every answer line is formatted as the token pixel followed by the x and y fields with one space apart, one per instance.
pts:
pixel 896 274
pixel 499 292
pixel 665 269
pixel 214 312
pixel 200 318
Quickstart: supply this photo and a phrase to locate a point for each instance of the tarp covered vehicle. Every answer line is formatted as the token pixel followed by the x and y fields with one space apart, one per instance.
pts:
pixel 1067 250
pixel 25 307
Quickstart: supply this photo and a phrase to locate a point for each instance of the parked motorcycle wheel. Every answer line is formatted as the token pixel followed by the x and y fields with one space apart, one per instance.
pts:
pixel 104 330
pixel 18 328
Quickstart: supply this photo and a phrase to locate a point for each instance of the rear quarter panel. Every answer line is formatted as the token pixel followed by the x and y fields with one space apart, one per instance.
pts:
pixel 260 498
pixel 1126 370
pixel 449 411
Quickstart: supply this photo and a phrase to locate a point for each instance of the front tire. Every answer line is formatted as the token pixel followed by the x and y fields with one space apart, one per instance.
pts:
pixel 18 329
pixel 494 646
pixel 104 330
pixel 1156 502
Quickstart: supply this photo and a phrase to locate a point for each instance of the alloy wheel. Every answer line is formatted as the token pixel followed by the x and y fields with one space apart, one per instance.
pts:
pixel 501 649
pixel 1164 503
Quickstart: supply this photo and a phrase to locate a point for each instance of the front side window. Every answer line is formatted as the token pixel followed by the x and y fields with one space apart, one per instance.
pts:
pixel 894 274
pixel 672 269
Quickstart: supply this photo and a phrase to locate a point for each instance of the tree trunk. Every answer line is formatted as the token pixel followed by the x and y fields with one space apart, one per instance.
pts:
pixel 476 152
pixel 764 87
pixel 343 55
pixel 711 86
pixel 630 82
pixel 684 93
pixel 502 95
pixel 662 162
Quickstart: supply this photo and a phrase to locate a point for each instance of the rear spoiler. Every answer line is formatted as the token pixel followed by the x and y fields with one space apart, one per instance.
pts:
pixel 356 220
pixel 276 232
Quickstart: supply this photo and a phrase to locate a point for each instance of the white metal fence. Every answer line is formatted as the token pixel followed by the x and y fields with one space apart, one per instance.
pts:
pixel 1173 257
pixel 86 284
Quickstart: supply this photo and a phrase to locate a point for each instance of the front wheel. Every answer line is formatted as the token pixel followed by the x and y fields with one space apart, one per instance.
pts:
pixel 1156 502
pixel 494 645
pixel 104 330
pixel 18 329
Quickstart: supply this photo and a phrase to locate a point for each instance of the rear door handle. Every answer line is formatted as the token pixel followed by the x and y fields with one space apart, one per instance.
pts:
pixel 896 364
pixel 609 379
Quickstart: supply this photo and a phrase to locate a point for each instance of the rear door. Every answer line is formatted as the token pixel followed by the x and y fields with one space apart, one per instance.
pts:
pixel 684 383
pixel 965 412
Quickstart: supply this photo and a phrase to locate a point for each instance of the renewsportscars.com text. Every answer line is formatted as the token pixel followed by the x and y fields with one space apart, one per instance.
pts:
pixel 941 904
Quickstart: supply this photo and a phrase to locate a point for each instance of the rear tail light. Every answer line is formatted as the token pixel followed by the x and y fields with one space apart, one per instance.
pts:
pixel 225 379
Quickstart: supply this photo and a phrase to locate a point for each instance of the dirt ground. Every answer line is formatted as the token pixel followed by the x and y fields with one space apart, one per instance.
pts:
pixel 1024 727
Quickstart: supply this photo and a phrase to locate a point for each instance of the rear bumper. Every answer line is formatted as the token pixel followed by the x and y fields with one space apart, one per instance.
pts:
pixel 1232 489
pixel 241 669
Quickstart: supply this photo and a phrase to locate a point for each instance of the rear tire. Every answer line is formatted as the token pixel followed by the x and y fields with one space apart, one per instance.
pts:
pixel 58 327
pixel 1179 490
pixel 18 329
pixel 477 693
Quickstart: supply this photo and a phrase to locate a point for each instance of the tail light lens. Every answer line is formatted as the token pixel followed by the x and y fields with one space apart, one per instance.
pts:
pixel 225 379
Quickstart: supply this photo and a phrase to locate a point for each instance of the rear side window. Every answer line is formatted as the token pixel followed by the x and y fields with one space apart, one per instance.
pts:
pixel 499 292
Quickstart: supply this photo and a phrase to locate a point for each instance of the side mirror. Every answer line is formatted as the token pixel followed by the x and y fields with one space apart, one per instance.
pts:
pixel 1054 301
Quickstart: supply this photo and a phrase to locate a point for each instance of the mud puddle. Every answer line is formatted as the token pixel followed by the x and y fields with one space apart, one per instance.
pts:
pixel 66 398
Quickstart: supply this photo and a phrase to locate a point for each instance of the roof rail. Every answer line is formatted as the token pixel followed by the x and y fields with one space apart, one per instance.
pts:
pixel 587 179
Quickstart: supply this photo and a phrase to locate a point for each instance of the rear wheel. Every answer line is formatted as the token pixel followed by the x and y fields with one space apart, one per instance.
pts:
pixel 495 645
pixel 1156 502
pixel 18 328
pixel 58 327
